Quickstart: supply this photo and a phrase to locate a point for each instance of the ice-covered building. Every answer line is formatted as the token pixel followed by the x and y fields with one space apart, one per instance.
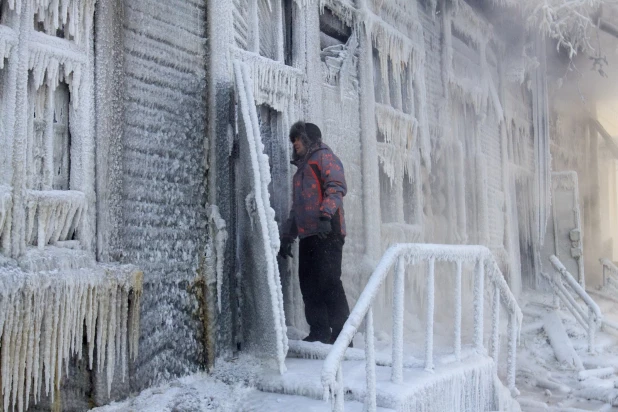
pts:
pixel 145 172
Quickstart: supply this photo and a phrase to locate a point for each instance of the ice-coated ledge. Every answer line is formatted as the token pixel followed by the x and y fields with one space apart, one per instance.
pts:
pixel 53 215
pixel 42 321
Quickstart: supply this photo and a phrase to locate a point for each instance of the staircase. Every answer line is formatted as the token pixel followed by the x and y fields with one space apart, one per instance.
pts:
pixel 462 378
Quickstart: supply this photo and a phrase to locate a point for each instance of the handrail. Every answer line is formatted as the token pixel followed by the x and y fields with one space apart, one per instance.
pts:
pixel 398 255
pixel 590 322
pixel 609 269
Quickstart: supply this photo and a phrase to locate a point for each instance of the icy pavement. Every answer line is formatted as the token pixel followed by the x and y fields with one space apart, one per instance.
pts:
pixel 547 384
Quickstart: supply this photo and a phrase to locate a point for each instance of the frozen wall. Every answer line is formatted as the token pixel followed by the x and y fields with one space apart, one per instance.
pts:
pixel 341 131
pixel 152 189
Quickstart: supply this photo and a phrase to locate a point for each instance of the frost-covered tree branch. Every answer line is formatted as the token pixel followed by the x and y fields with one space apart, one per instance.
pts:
pixel 570 22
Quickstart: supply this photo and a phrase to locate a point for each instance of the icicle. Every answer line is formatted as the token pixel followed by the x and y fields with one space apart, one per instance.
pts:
pixel 218 239
pixel 42 316
pixel 274 83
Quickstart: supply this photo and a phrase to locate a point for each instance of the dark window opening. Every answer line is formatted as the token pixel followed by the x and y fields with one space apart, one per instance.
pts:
pixel 333 30
pixel 288 31
pixel 407 92
pixel 387 198
pixel 409 199
pixel 379 85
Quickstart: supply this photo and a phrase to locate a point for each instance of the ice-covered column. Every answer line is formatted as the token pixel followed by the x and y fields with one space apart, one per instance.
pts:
pixel 371 203
pixel 84 157
pixel 109 125
pixel 20 150
pixel 512 247
pixel 540 115
pixel 220 180
pixel 313 110
pixel 9 98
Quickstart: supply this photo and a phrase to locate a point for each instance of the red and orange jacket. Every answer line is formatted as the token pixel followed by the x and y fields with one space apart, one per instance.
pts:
pixel 318 189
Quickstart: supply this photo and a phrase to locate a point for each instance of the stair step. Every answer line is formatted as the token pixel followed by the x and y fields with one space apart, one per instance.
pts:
pixel 419 388
pixel 264 401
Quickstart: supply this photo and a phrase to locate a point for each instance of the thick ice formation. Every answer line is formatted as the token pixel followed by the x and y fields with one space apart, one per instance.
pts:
pixel 268 232
pixel 42 320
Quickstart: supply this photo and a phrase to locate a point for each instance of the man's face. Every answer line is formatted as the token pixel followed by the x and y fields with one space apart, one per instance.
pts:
pixel 299 147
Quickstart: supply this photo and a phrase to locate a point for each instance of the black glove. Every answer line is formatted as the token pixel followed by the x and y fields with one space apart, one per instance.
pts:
pixel 324 228
pixel 285 250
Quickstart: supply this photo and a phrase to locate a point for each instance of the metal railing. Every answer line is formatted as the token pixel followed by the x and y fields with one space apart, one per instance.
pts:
pixel 561 282
pixel 398 255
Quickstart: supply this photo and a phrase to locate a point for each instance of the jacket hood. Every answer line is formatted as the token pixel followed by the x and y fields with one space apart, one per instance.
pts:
pixel 310 152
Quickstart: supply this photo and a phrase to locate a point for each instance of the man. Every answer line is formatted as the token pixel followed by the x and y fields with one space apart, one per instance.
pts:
pixel 317 219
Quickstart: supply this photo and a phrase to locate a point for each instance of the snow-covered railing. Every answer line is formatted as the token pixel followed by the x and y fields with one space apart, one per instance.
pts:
pixel 610 273
pixel 53 215
pixel 398 255
pixel 563 279
pixel 6 204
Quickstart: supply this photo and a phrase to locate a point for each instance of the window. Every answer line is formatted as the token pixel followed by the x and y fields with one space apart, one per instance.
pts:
pixel 264 27
pixel 47 125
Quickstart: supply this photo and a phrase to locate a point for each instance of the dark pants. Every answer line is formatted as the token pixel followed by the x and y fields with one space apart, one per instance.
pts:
pixel 326 306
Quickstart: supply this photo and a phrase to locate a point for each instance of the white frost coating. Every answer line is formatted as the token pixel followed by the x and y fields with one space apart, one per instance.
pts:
pixel 218 233
pixel 266 214
pixel 53 215
pixel 42 320
pixel 6 204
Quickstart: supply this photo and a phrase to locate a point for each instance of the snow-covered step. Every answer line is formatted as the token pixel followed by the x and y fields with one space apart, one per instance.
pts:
pixel 468 386
pixel 264 401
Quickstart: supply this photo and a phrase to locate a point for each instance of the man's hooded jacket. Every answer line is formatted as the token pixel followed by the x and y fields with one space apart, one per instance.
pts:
pixel 318 189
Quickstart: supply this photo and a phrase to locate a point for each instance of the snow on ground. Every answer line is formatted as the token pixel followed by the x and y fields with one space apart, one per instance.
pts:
pixel 545 383
pixel 220 392
pixel 198 392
